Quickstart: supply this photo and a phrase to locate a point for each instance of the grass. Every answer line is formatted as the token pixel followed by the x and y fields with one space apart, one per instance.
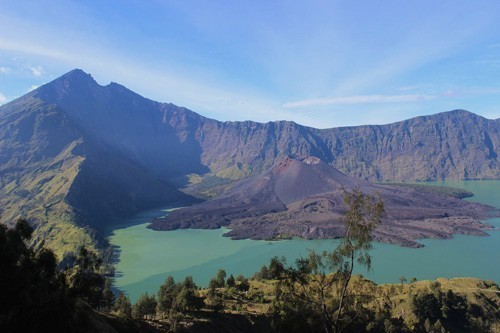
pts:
pixel 39 196
pixel 446 190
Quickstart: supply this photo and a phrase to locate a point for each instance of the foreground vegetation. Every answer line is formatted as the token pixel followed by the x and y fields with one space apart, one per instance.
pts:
pixel 315 294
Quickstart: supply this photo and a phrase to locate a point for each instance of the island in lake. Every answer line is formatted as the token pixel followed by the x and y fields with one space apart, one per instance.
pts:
pixel 304 198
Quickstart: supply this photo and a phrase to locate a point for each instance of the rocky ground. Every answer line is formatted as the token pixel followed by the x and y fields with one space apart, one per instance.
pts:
pixel 305 199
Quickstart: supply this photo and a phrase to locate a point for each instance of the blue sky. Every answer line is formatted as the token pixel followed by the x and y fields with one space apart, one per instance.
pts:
pixel 318 63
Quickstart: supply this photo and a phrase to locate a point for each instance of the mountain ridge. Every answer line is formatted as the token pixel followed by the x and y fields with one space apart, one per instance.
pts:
pixel 86 155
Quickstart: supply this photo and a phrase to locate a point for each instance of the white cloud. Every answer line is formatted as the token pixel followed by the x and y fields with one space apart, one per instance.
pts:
pixel 163 85
pixel 359 99
pixel 33 87
pixel 407 88
pixel 36 70
pixel 3 99
pixel 4 70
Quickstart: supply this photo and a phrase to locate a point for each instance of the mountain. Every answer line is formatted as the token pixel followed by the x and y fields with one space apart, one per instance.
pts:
pixel 447 146
pixel 64 161
pixel 305 199
pixel 76 156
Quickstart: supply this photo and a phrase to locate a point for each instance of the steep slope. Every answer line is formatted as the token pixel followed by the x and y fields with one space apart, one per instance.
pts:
pixel 37 167
pixel 126 122
pixel 68 179
pixel 305 199
pixel 446 146
pixel 288 181
pixel 171 141
pixel 450 145
pixel 84 155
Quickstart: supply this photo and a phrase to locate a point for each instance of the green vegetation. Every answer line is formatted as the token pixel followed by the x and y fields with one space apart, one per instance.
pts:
pixel 458 193
pixel 304 292
pixel 206 187
pixel 122 307
pixel 236 171
pixel 258 305
pixel 40 194
pixel 317 293
pixel 36 294
pixel 145 307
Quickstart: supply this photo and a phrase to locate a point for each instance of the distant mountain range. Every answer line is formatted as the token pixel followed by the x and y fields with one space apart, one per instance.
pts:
pixel 76 156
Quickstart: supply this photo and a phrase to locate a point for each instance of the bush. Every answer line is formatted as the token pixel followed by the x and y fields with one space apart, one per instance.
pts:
pixel 122 306
pixel 145 307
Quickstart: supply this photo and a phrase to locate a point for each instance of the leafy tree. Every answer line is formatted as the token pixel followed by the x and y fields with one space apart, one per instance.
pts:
pixel 34 293
pixel 363 215
pixel 275 268
pixel 166 294
pixel 108 298
pixel 220 278
pixel 307 294
pixel 213 285
pixel 213 300
pixel 230 281
pixel 439 311
pixel 85 281
pixel 123 307
pixel 145 307
pixel 242 284
pixel 186 298
pixel 426 306
pixel 263 274
pixel 454 307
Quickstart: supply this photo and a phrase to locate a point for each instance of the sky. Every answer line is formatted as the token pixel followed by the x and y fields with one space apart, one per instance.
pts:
pixel 318 63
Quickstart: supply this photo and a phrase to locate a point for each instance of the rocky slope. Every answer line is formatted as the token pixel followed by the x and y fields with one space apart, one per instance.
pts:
pixel 66 175
pixel 446 146
pixel 305 199
pixel 175 141
pixel 75 155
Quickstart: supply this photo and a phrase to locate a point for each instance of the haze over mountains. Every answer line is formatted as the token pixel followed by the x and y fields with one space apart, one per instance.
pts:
pixel 73 151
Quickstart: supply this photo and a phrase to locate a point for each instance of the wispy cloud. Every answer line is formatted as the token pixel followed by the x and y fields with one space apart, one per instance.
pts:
pixel 407 88
pixel 172 85
pixel 3 99
pixel 36 70
pixel 4 70
pixel 360 99
pixel 33 87
pixel 384 73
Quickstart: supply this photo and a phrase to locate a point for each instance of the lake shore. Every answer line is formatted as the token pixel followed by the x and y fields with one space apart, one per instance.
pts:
pixel 146 256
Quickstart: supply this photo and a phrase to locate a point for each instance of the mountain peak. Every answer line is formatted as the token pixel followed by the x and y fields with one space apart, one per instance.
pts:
pixel 76 74
pixel 460 112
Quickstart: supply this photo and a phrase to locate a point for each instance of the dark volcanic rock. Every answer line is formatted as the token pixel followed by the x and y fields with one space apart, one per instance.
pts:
pixel 305 199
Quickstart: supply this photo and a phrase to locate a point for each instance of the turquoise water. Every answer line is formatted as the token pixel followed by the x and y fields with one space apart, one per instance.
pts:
pixel 146 257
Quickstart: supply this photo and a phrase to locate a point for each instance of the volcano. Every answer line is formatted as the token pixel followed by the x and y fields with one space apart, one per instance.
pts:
pixel 304 198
